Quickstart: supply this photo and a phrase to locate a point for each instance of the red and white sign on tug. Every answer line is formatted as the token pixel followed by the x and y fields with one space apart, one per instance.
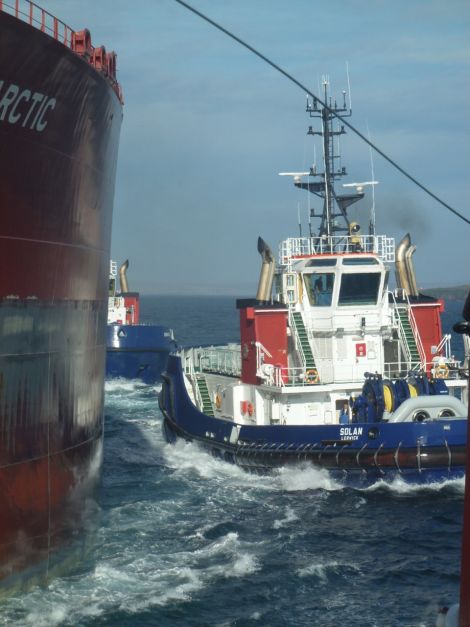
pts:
pixel 361 350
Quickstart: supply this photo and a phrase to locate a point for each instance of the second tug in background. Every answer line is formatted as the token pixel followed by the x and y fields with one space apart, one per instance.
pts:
pixel 333 367
pixel 134 350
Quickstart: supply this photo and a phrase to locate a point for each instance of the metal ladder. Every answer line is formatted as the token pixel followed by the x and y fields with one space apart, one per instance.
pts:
pixel 408 337
pixel 303 342
pixel 204 395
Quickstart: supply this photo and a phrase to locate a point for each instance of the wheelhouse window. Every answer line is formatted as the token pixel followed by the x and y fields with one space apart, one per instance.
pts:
pixel 291 287
pixel 315 263
pixel 278 287
pixel 359 289
pixel 319 286
pixel 360 261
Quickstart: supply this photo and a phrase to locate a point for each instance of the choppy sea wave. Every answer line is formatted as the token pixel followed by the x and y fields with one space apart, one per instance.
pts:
pixel 187 539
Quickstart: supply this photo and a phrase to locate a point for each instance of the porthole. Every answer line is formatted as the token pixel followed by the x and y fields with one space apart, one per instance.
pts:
pixel 446 413
pixel 420 416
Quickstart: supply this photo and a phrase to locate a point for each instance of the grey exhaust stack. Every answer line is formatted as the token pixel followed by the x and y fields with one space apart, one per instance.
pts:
pixel 267 271
pixel 404 270
pixel 123 278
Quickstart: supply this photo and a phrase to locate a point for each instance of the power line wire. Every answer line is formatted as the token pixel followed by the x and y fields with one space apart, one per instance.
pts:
pixel 323 104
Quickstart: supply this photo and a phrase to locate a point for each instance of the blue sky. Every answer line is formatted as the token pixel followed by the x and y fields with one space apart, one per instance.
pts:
pixel 208 126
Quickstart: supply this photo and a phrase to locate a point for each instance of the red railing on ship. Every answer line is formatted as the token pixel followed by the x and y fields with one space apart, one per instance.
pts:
pixel 79 42
pixel 39 18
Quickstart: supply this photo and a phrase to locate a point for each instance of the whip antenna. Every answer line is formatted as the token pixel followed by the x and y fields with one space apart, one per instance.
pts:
pixel 372 209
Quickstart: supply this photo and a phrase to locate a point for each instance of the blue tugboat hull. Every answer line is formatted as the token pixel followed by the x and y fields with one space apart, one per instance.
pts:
pixel 358 454
pixel 138 351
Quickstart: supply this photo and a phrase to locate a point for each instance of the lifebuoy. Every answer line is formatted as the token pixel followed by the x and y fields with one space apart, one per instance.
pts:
pixel 218 401
pixel 311 376
pixel 441 371
pixel 250 409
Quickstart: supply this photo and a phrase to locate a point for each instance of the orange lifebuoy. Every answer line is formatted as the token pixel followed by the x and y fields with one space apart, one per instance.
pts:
pixel 250 409
pixel 441 372
pixel 218 401
pixel 311 376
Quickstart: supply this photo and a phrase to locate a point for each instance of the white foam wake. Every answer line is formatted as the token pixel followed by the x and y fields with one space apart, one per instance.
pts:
pixel 399 486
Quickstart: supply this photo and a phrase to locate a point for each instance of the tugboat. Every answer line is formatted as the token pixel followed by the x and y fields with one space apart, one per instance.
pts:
pixel 134 350
pixel 333 367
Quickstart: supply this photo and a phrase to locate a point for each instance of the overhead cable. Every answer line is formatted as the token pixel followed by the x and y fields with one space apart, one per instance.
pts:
pixel 323 104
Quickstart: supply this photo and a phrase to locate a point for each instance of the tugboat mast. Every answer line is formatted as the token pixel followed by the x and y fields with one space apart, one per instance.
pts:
pixel 334 218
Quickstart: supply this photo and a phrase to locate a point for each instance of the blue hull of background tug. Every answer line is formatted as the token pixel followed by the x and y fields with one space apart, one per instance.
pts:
pixel 138 351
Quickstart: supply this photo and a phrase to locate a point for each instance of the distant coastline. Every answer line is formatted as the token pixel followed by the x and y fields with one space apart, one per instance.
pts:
pixel 458 292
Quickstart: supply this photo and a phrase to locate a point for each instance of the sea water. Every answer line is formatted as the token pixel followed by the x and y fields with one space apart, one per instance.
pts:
pixel 185 539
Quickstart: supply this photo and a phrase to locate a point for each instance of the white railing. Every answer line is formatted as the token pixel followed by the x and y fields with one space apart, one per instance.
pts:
pixel 448 369
pixel 444 346
pixel 261 353
pixel 226 360
pixel 220 359
pixel 294 247
pixel 187 360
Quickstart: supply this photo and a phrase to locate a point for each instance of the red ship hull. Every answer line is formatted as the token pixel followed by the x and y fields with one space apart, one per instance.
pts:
pixel 59 131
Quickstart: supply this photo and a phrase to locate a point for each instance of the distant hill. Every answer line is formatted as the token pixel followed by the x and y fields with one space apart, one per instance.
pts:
pixel 458 292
